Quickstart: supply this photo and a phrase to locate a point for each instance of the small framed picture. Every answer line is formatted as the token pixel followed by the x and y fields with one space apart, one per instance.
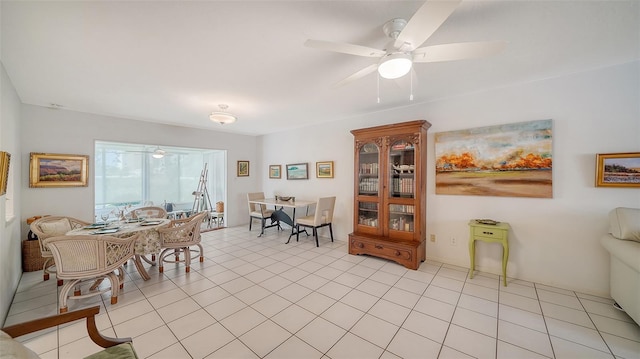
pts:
pixel 243 168
pixel 297 171
pixel 58 170
pixel 5 159
pixel 618 169
pixel 275 171
pixel 324 169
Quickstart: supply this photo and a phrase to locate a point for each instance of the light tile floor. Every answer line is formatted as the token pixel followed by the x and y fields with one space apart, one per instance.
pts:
pixel 260 298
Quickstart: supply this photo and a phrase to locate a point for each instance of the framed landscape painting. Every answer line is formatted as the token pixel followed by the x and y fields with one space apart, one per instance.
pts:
pixel 243 168
pixel 5 159
pixel 324 169
pixel 275 171
pixel 618 169
pixel 510 160
pixel 297 171
pixel 58 170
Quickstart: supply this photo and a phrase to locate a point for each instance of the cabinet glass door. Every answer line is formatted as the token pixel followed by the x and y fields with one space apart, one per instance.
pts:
pixel 369 170
pixel 368 214
pixel 401 217
pixel 402 170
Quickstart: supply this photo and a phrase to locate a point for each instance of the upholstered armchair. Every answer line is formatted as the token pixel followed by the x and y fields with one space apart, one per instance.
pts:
pixel 322 217
pixel 52 226
pixel 623 244
pixel 178 237
pixel 85 258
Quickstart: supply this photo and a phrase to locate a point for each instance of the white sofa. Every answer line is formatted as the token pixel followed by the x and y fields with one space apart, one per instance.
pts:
pixel 623 244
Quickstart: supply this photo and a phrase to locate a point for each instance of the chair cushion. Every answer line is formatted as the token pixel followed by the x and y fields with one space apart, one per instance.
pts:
pixel 13 349
pixel 306 221
pixel 624 223
pixel 120 351
pixel 56 228
pixel 266 214
pixel 310 221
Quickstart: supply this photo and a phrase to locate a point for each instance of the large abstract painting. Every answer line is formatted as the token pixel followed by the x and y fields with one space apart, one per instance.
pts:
pixel 512 160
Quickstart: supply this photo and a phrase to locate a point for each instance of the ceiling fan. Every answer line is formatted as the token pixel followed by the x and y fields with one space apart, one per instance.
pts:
pixel 157 152
pixel 397 59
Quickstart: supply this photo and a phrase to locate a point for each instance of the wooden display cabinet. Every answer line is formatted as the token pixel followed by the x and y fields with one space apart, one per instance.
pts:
pixel 390 192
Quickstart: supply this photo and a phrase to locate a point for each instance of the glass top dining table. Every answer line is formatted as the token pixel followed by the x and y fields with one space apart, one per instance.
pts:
pixel 147 243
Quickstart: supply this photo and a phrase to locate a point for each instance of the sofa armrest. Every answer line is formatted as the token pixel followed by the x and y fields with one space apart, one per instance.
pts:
pixel 628 252
pixel 624 223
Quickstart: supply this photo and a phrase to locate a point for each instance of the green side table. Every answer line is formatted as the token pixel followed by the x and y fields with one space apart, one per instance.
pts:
pixel 497 233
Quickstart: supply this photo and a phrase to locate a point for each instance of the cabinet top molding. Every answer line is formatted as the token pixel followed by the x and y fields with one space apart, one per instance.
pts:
pixel 394 126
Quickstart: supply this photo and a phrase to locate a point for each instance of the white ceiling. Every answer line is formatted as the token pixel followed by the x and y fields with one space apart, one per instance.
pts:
pixel 173 62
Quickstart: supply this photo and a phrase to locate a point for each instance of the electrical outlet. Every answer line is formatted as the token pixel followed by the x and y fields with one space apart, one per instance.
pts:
pixel 453 241
pixel 432 237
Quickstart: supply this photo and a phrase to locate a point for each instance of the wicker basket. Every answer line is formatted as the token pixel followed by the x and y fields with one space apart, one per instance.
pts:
pixel 31 257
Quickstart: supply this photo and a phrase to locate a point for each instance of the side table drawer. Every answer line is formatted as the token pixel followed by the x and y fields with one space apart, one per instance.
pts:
pixel 488 233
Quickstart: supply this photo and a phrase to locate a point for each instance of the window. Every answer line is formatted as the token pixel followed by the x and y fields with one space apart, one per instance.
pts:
pixel 128 175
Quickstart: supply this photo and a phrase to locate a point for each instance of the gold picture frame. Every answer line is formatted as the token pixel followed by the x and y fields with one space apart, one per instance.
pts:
pixel 275 171
pixel 5 160
pixel 324 169
pixel 58 170
pixel 618 169
pixel 243 168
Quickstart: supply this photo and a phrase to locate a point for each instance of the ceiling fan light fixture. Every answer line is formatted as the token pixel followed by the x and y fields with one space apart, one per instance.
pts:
pixel 222 117
pixel 395 65
pixel 158 153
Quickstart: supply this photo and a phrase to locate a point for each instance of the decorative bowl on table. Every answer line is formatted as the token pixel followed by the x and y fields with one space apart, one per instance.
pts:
pixel 284 198
pixel 487 221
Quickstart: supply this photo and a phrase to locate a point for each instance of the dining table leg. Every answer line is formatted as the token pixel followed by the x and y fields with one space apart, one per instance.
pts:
pixel 140 267
pixel 294 229
pixel 152 261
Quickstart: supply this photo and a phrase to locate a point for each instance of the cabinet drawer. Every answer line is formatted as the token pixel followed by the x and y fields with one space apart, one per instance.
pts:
pixel 381 250
pixel 488 232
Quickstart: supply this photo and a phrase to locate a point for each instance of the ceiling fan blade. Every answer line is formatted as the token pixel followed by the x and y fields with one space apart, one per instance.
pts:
pixel 458 51
pixel 359 74
pixel 344 48
pixel 424 23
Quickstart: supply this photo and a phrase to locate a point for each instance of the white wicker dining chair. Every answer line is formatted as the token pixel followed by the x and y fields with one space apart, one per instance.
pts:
pixel 84 258
pixel 149 212
pixel 52 226
pixel 178 237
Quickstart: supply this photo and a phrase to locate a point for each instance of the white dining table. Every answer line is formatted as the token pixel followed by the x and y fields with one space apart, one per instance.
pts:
pixel 147 244
pixel 279 215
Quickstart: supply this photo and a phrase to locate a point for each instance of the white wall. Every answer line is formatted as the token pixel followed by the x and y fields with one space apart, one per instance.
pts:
pixel 10 239
pixel 59 131
pixel 553 241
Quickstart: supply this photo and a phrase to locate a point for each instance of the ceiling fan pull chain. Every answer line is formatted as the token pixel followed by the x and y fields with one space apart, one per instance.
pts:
pixel 378 78
pixel 411 94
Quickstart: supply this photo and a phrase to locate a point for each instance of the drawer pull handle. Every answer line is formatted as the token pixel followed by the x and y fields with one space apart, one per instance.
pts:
pixel 489 233
pixel 360 245
pixel 378 246
pixel 397 253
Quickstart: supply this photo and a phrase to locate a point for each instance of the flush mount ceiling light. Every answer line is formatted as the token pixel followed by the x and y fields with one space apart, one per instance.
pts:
pixel 395 65
pixel 222 117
